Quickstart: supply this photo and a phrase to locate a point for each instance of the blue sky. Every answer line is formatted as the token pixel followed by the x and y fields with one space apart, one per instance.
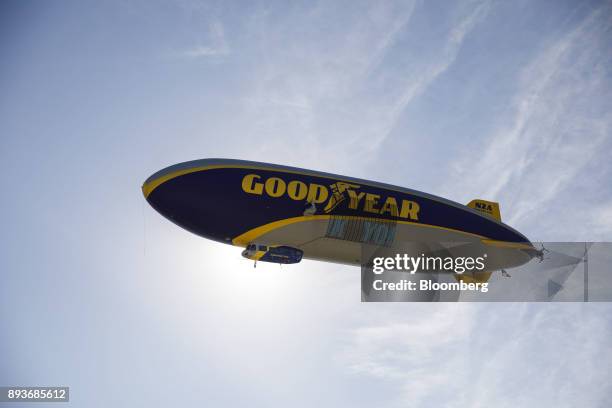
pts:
pixel 509 101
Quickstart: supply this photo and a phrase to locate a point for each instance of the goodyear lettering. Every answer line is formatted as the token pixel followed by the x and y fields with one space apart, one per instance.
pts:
pixel 297 190
pixel 317 193
pixel 354 199
pixel 390 206
pixel 250 186
pixel 410 209
pixel 276 187
pixel 370 203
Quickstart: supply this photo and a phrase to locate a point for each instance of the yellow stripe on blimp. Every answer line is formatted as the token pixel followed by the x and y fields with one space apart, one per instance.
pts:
pixel 506 244
pixel 147 188
pixel 252 235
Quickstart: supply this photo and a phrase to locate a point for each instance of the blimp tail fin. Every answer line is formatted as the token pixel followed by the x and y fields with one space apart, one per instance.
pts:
pixel 478 277
pixel 489 208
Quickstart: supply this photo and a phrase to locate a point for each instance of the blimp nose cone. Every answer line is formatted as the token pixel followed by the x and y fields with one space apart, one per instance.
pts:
pixel 186 198
pixel 165 197
pixel 177 199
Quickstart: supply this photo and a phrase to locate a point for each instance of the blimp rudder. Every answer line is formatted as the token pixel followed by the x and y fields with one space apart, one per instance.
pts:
pixel 478 277
pixel 488 208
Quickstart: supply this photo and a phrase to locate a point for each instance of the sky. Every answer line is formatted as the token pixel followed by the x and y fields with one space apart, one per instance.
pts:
pixel 506 101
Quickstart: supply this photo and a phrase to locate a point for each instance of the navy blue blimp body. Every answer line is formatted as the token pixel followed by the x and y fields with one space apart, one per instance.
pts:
pixel 233 201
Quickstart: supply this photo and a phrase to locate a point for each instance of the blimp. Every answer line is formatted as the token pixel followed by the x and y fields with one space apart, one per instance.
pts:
pixel 284 214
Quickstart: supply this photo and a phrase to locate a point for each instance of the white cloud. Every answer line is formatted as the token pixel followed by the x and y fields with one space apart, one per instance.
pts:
pixel 501 355
pixel 217 44
pixel 418 354
pixel 314 80
pixel 560 127
pixel 333 92
pixel 423 78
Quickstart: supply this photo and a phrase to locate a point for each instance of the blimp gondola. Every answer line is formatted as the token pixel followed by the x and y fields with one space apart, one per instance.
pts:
pixel 285 214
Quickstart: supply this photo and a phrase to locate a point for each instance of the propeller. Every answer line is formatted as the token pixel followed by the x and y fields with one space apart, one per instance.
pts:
pixel 559 261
